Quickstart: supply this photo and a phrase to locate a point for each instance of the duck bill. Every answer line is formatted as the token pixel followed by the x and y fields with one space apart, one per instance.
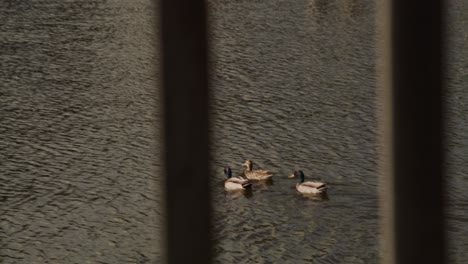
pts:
pixel 291 176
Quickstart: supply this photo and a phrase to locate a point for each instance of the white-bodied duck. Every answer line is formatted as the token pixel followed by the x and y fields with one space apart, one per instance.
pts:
pixel 255 174
pixel 235 183
pixel 308 187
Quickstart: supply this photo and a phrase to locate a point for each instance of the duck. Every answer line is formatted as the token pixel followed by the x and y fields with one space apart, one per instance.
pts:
pixel 308 187
pixel 255 174
pixel 235 183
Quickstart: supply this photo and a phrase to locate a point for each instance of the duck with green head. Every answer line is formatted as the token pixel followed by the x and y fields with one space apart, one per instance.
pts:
pixel 308 187
pixel 252 174
pixel 235 183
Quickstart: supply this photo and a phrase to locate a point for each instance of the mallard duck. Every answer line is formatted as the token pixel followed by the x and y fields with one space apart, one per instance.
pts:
pixel 255 174
pixel 308 187
pixel 235 183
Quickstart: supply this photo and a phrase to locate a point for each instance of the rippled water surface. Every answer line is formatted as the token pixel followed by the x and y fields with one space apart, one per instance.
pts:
pixel 77 122
pixel 457 131
pixel 293 88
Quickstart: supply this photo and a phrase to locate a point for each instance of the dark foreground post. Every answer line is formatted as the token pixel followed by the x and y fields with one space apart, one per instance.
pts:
pixel 185 97
pixel 413 196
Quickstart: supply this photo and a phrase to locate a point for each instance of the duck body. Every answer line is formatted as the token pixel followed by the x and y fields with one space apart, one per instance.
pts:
pixel 309 187
pixel 255 174
pixel 235 183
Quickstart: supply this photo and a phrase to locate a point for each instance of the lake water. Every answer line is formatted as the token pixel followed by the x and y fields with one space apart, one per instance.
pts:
pixel 294 87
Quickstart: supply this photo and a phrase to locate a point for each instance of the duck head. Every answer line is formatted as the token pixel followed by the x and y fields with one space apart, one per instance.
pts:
pixel 298 174
pixel 228 172
pixel 248 164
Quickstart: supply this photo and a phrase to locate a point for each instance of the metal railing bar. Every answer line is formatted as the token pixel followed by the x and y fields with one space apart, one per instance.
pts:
pixel 186 138
pixel 413 201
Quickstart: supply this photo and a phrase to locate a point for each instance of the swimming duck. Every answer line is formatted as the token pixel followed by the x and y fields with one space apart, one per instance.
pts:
pixel 308 187
pixel 235 183
pixel 255 174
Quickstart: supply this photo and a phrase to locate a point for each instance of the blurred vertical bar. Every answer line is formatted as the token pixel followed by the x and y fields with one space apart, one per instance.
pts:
pixel 412 122
pixel 186 140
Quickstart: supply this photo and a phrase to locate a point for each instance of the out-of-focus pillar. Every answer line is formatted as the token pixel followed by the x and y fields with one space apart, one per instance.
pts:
pixel 186 138
pixel 411 122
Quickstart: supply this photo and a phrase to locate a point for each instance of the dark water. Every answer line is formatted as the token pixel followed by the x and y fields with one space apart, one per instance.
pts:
pixel 78 153
pixel 293 88
pixel 457 134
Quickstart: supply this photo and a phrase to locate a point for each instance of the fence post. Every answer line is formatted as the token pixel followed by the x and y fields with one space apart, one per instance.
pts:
pixel 185 97
pixel 411 78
